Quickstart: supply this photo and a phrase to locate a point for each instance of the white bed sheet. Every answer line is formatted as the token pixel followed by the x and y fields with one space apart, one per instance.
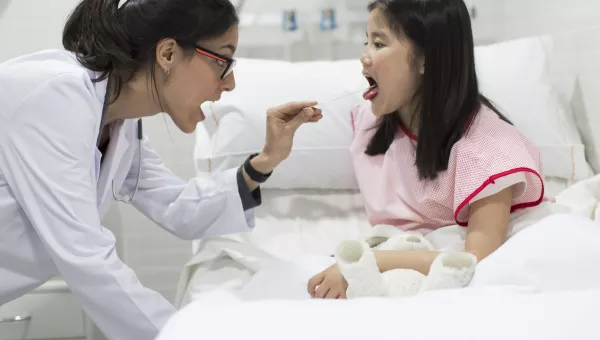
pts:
pixel 296 229
pixel 490 313
pixel 542 284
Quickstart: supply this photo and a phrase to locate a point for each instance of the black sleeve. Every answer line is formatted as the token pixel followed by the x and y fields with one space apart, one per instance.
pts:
pixel 250 200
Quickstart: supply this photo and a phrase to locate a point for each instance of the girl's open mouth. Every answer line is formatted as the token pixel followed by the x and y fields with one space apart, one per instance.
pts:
pixel 373 91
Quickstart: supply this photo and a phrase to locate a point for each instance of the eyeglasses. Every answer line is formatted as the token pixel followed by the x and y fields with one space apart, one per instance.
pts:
pixel 222 60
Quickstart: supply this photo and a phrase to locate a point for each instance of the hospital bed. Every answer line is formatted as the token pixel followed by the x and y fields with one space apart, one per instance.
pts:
pixel 241 287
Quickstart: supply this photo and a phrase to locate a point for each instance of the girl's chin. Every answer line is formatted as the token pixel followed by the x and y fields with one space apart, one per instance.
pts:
pixel 379 110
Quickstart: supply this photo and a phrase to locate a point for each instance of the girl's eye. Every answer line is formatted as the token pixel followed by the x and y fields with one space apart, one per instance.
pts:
pixel 220 63
pixel 376 44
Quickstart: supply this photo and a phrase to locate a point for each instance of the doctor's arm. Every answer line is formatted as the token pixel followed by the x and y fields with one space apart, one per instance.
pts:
pixel 190 209
pixel 220 204
pixel 48 154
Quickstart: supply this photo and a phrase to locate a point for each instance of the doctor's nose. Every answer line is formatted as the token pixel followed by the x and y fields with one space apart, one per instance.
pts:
pixel 228 83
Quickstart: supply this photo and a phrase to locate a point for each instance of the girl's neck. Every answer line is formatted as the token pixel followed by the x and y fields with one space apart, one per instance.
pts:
pixel 409 118
pixel 134 101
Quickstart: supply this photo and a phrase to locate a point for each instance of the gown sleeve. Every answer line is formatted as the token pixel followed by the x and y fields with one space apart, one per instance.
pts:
pixel 492 159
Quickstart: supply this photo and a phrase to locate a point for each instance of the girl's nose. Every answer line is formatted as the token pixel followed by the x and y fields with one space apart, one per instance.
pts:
pixel 365 60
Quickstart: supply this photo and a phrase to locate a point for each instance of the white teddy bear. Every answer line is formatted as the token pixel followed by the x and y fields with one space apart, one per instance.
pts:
pixel 357 264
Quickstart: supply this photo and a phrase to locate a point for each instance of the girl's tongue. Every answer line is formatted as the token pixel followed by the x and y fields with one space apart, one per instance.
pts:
pixel 371 93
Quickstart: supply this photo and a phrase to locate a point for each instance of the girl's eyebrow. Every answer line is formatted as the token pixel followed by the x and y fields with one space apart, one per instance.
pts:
pixel 376 34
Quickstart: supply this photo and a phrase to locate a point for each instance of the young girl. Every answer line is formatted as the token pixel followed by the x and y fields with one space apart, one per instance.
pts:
pixel 430 151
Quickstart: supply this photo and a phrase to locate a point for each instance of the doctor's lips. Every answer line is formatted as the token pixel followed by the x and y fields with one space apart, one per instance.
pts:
pixel 373 91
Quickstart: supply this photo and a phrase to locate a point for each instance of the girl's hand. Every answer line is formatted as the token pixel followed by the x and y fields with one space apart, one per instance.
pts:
pixel 329 284
pixel 282 123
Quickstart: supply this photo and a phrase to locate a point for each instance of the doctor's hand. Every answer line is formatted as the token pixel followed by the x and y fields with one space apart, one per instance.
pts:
pixel 328 284
pixel 282 123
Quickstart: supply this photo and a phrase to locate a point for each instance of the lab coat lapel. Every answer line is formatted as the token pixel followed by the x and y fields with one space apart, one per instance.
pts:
pixel 116 164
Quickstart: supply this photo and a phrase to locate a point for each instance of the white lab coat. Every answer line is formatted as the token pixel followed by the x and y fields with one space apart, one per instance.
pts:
pixel 53 194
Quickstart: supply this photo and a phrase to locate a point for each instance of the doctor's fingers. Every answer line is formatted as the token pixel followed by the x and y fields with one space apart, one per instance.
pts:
pixel 317 117
pixel 293 108
pixel 308 114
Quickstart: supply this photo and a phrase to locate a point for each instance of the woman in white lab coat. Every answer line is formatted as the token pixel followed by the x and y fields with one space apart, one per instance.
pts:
pixel 71 144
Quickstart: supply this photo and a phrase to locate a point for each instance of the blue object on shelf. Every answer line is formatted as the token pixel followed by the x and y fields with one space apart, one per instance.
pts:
pixel 289 21
pixel 328 21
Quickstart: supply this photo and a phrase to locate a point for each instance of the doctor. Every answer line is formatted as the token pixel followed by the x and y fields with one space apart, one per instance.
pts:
pixel 71 144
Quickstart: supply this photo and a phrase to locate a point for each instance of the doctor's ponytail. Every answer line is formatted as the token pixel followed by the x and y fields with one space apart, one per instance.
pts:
pixel 96 33
pixel 118 41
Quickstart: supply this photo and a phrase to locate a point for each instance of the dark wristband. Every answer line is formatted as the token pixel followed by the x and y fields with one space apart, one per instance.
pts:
pixel 252 173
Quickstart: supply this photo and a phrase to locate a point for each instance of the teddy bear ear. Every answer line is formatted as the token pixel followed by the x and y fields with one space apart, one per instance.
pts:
pixel 380 233
pixel 375 241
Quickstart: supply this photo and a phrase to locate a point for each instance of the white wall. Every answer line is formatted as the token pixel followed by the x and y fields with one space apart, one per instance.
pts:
pixel 30 25
pixel 495 20
pixel 518 18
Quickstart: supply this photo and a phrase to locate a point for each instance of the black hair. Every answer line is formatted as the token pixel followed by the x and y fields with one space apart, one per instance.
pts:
pixel 118 42
pixel 448 98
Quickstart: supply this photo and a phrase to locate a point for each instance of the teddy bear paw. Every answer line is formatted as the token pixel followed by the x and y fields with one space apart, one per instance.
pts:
pixel 450 270
pixel 358 265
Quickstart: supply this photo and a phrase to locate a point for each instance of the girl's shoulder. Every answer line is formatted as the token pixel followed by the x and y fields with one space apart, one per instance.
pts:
pixel 487 133
pixel 493 155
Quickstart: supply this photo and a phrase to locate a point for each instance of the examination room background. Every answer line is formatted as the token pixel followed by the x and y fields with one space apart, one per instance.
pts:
pixel 157 257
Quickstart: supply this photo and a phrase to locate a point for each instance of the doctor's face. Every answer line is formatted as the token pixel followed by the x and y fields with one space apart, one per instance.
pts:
pixel 200 77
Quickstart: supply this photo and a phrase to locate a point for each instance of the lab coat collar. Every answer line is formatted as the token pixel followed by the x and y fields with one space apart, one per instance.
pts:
pixel 99 87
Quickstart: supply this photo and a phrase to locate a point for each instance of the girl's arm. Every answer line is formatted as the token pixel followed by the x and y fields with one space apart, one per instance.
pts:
pixel 487 231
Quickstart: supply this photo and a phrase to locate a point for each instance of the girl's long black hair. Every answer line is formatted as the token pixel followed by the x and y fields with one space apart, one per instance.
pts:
pixel 440 32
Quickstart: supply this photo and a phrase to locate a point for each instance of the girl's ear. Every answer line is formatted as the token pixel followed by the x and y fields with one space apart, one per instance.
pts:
pixel 422 67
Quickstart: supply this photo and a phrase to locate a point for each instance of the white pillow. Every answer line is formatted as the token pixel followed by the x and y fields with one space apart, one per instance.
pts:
pixel 235 127
pixel 513 75
pixel 575 69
